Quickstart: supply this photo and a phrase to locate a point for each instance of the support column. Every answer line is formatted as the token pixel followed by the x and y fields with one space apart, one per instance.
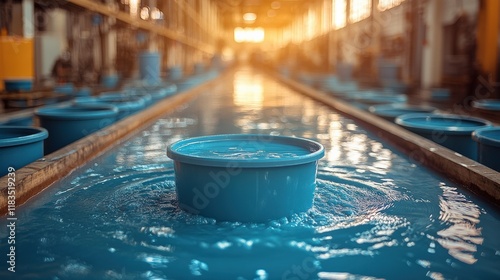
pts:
pixel 432 55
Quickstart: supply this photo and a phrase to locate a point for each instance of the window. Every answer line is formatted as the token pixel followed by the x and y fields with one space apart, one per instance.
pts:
pixel 388 4
pixel 359 10
pixel 339 13
pixel 254 35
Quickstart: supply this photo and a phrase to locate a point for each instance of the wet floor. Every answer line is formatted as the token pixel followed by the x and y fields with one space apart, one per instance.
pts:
pixel 376 214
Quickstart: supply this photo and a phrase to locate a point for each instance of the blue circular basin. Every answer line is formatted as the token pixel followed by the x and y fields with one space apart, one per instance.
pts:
pixel 492 105
pixel 127 105
pixel 68 124
pixel 19 146
pixel 110 81
pixel 18 84
pixel 245 177
pixel 451 131
pixel 66 88
pixel 488 140
pixel 440 93
pixel 391 111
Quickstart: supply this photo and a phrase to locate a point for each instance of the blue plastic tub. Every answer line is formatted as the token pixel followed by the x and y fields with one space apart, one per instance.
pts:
pixel 110 81
pixel 451 131
pixel 175 73
pixel 19 146
pixel 247 178
pixel 18 84
pixel 488 143
pixel 391 111
pixel 149 67
pixel 440 94
pixel 490 105
pixel 68 124
pixel 198 68
pixel 388 71
pixel 66 88
pixel 364 100
pixel 127 105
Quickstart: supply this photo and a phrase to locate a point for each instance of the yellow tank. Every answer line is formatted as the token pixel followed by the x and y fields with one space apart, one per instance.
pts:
pixel 16 58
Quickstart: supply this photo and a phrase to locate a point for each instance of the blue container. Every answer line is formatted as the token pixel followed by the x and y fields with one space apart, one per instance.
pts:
pixel 198 68
pixel 68 124
pixel 127 105
pixel 490 105
pixel 186 84
pixel 149 67
pixel 439 94
pixel 19 146
pixel 391 111
pixel 66 88
pixel 175 73
pixel 83 91
pixel 388 71
pixel 18 84
pixel 451 131
pixel 246 178
pixel 488 143
pixel 365 99
pixel 110 81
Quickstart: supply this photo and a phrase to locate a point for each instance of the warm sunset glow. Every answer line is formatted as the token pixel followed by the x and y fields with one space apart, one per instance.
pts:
pixel 254 35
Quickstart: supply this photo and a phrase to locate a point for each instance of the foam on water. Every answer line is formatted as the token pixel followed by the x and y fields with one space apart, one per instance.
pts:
pixel 376 213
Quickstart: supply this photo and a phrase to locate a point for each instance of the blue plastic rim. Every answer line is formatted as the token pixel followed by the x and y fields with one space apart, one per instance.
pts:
pixel 246 150
pixel 487 104
pixel 451 131
pixel 19 146
pixel 392 111
pixel 488 135
pixel 21 135
pixel 78 111
pixel 68 124
pixel 451 124
pixel 488 152
pixel 245 177
pixel 18 84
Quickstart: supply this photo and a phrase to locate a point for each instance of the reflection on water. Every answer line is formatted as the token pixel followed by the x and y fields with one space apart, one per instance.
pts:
pixel 462 236
pixel 377 214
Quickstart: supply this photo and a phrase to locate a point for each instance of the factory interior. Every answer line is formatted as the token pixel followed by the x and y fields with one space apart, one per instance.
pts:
pixel 249 139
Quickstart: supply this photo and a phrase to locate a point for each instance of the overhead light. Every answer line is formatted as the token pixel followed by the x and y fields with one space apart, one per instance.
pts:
pixel 275 5
pixel 271 13
pixel 249 17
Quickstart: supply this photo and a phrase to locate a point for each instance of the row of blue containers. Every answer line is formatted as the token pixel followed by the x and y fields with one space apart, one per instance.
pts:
pixel 474 138
pixel 21 144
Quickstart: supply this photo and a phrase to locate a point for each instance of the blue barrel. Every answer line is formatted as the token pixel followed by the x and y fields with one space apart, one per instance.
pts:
pixel 19 146
pixel 68 124
pixel 149 67
pixel 488 152
pixel 451 131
